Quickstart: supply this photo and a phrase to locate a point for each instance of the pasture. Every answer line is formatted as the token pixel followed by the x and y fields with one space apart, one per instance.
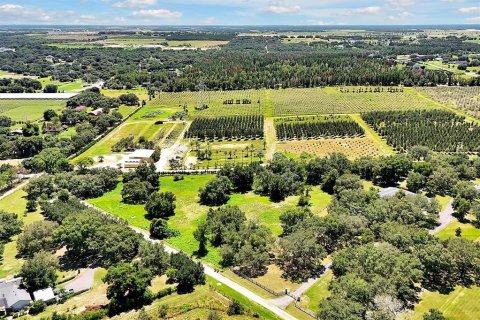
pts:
pixel 28 110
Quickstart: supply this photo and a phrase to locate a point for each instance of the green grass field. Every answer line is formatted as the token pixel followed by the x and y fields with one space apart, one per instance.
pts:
pixel 469 231
pixel 28 110
pixel 461 304
pixel 63 86
pixel 141 92
pixel 190 212
pixel 15 203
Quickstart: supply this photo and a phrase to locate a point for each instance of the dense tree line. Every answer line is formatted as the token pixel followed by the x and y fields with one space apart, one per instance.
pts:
pixel 318 129
pixel 22 85
pixel 239 127
pixel 438 130
pixel 241 64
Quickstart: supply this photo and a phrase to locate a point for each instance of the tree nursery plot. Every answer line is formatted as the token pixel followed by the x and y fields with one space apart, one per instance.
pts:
pixel 466 99
pixel 317 127
pixel 334 100
pixel 352 147
pixel 438 130
pixel 238 127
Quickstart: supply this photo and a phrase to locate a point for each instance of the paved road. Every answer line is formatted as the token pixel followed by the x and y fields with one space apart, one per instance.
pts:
pixel 82 282
pixel 445 217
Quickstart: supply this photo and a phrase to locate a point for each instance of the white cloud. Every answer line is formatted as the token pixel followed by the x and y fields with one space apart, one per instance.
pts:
pixel 359 11
pixel 402 15
pixel 401 3
pixel 135 3
pixel 282 9
pixel 469 10
pixel 474 20
pixel 14 11
pixel 157 13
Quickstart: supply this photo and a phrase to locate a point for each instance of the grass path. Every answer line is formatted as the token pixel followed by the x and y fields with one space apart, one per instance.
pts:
pixel 369 132
pixel 270 138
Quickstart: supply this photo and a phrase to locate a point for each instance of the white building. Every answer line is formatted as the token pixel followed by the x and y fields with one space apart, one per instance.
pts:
pixel 138 157
pixel 45 295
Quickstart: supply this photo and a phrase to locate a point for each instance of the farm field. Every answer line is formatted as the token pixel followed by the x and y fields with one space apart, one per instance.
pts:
pixel 293 102
pixel 331 101
pixel 142 123
pixel 63 86
pixel 28 110
pixel 464 99
pixel 15 203
pixel 141 92
pixel 215 101
pixel 197 43
pixel 461 304
pixel 138 129
pixel 6 74
pixel 352 147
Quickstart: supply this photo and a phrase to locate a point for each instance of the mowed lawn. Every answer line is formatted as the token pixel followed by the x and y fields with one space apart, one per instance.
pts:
pixel 15 203
pixel 28 110
pixel 469 231
pixel 190 212
pixel 460 304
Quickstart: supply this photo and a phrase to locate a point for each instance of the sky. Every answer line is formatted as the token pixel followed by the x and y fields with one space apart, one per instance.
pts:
pixel 240 12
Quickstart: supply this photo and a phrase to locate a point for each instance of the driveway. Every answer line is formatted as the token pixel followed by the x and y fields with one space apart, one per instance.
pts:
pixel 445 217
pixel 84 281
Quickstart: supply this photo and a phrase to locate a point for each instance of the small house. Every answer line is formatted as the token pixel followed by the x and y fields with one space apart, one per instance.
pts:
pixel 13 297
pixel 138 157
